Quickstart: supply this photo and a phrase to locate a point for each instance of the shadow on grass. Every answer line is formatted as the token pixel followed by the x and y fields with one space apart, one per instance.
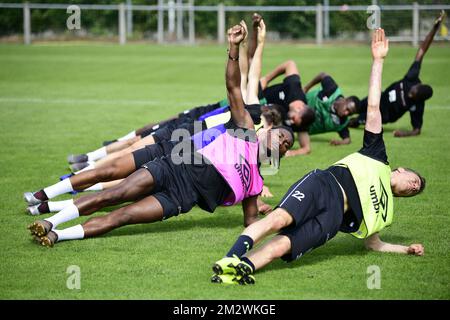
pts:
pixel 205 221
pixel 334 248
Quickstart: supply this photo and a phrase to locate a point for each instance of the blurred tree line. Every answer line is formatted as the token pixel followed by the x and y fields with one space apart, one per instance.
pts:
pixel 283 24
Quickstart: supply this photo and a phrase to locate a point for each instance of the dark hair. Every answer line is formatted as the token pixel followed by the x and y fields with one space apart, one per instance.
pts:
pixel 288 129
pixel 308 117
pixel 357 103
pixel 273 114
pixel 424 92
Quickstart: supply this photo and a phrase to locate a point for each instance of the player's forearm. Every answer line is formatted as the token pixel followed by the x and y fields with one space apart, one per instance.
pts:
pixel 299 152
pixel 425 45
pixel 388 247
pixel 317 79
pixel 254 75
pixel 406 133
pixel 233 75
pixel 279 70
pixel 373 100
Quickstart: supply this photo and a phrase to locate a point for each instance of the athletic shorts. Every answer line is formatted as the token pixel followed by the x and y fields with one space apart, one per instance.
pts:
pixel 316 204
pixel 151 152
pixel 174 187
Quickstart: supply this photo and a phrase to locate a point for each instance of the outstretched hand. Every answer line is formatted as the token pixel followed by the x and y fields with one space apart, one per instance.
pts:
pixel 380 44
pixel 236 34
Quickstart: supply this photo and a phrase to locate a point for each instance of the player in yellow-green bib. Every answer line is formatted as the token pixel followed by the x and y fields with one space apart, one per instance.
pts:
pixel 355 195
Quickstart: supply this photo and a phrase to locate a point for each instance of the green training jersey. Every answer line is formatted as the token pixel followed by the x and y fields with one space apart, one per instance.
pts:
pixel 326 120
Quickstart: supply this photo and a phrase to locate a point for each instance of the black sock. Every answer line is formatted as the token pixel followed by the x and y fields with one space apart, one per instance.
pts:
pixel 40 195
pixel 43 207
pixel 242 245
pixel 247 261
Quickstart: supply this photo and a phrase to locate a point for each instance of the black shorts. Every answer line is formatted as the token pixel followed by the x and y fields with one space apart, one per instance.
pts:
pixel 316 204
pixel 174 187
pixel 151 152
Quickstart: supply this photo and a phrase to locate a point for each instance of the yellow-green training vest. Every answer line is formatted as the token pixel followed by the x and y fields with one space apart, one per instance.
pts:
pixel 373 182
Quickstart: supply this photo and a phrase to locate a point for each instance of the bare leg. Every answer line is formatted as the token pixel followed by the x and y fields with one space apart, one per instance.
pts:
pixel 147 210
pixel 119 168
pixel 110 184
pixel 137 185
pixel 277 247
pixel 119 145
pixel 273 222
pixel 151 125
pixel 148 140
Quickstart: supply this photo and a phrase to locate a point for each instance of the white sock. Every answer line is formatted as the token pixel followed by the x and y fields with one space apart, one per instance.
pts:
pixel 130 135
pixel 97 154
pixel 58 188
pixel 95 187
pixel 68 213
pixel 89 167
pixel 72 233
pixel 56 206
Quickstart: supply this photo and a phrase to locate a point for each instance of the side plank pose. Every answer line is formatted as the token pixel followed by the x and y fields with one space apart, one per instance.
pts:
pixel 407 94
pixel 227 174
pixel 355 195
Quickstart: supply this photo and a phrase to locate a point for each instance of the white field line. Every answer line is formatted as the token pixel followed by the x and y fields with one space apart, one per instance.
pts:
pixel 128 102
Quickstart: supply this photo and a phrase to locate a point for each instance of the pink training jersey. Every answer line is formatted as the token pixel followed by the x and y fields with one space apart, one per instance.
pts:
pixel 234 154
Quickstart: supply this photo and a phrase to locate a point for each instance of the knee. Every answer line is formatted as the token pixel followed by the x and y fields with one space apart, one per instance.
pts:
pixel 277 221
pixel 280 247
pixel 113 195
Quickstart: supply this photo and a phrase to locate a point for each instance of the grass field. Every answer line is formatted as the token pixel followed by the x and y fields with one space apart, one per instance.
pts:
pixel 61 99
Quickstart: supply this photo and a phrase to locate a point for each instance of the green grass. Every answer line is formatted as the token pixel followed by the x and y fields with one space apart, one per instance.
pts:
pixel 61 99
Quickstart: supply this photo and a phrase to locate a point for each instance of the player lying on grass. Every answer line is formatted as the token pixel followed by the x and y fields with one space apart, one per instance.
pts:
pixel 407 94
pixel 263 117
pixel 330 108
pixel 222 169
pixel 119 168
pixel 355 195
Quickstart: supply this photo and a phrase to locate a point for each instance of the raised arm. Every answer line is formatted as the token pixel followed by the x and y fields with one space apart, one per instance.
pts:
pixel 239 115
pixel 287 68
pixel 317 79
pixel 380 46
pixel 243 62
pixel 256 65
pixel 256 18
pixel 429 38
pixel 374 243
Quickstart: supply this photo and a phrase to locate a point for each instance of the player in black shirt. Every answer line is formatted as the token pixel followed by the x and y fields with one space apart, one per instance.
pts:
pixel 350 197
pixel 407 94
